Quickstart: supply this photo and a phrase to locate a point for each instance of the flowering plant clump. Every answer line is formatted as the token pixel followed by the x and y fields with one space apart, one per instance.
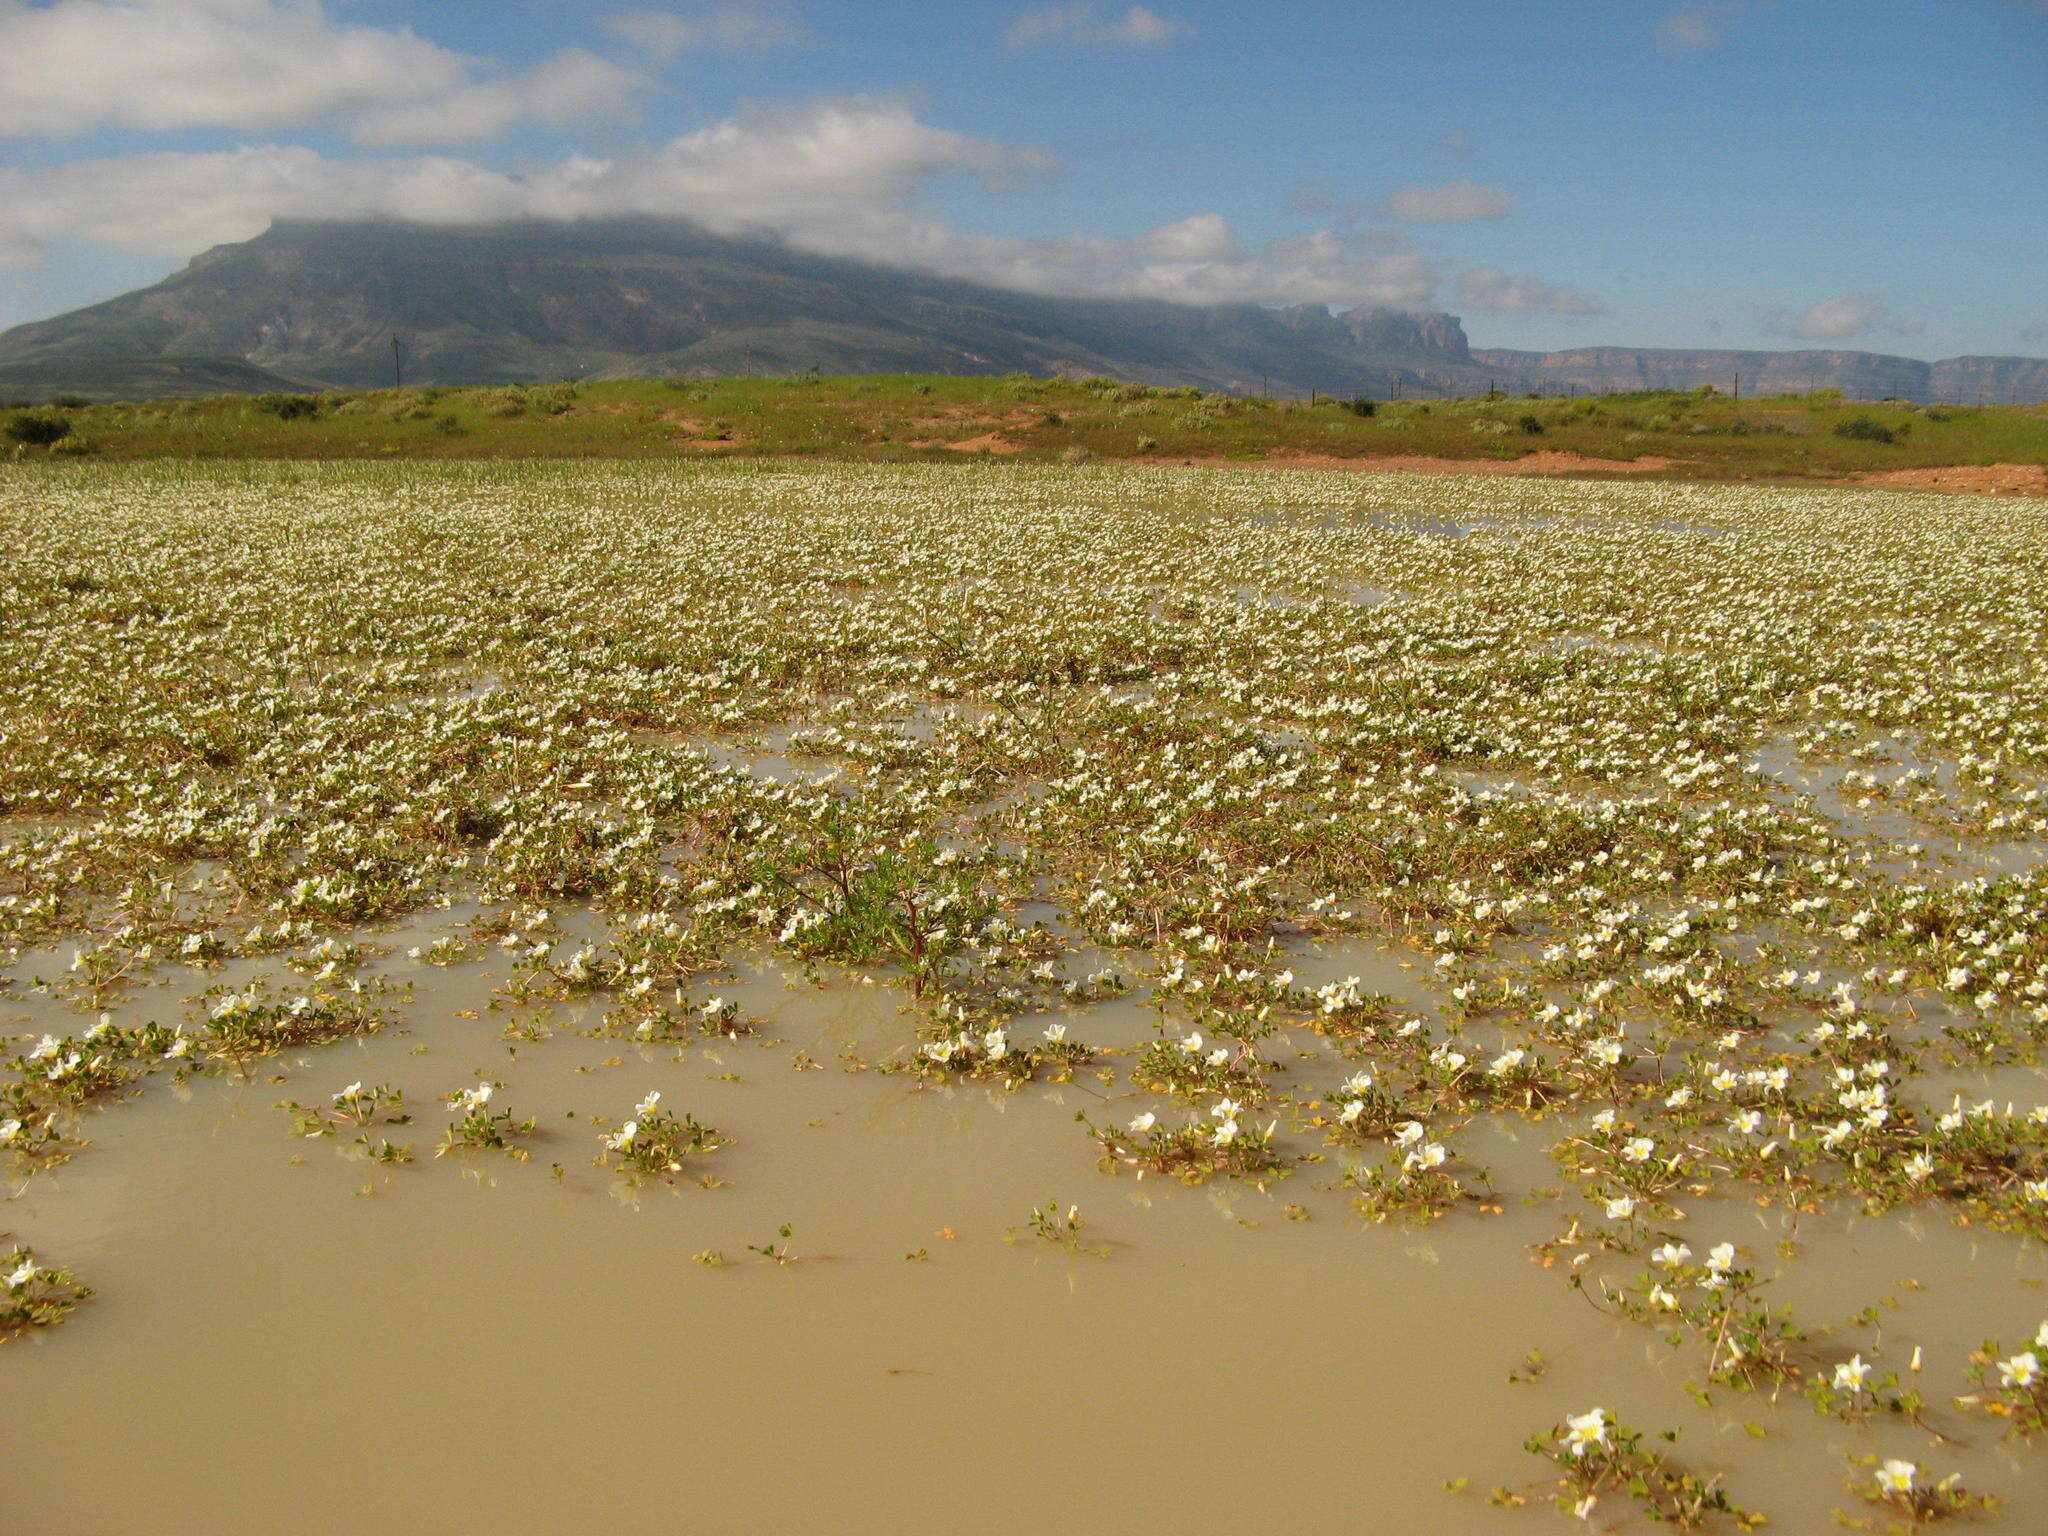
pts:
pixel 477 1128
pixel 1415 1183
pixel 1902 1489
pixel 2012 1386
pixel 1050 1224
pixel 998 1053
pixel 349 1108
pixel 1195 1150
pixel 1718 1302
pixel 1598 1458
pixel 34 1295
pixel 1194 1065
pixel 654 1142
pixel 254 1022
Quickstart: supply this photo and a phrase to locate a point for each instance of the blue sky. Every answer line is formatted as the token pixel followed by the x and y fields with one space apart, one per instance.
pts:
pixel 1757 173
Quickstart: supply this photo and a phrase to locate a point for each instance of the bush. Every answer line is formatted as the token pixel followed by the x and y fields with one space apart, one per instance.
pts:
pixel 74 447
pixel 1360 406
pixel 1531 425
pixel 290 407
pixel 1862 429
pixel 37 429
pixel 68 402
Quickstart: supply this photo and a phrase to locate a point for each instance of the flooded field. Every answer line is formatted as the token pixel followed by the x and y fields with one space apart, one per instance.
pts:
pixel 1013 999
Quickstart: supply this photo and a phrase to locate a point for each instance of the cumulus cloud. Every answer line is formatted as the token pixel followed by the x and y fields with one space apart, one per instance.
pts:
pixel 1844 316
pixel 1696 26
pixel 1453 202
pixel 721 26
pixel 1491 289
pixel 838 176
pixel 76 65
pixel 1083 25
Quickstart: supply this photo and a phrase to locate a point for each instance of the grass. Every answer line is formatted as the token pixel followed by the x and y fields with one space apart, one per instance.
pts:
pixel 1818 436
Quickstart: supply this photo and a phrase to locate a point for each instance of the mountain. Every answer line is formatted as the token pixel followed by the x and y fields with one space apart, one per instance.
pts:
pixel 1860 375
pixel 1604 370
pixel 316 304
pixel 619 298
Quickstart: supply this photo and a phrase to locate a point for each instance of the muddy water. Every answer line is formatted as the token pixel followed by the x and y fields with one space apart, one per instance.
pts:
pixel 286 1340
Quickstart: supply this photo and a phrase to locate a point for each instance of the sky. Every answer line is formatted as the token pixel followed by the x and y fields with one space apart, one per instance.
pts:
pixel 1860 174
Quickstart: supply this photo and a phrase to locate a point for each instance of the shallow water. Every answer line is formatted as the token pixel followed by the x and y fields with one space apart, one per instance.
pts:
pixel 287 1340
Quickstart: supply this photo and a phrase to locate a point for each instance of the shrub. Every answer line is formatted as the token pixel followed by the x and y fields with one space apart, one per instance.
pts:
pixel 1531 425
pixel 74 447
pixel 68 402
pixel 1862 429
pixel 1360 406
pixel 37 429
pixel 290 407
pixel 1147 444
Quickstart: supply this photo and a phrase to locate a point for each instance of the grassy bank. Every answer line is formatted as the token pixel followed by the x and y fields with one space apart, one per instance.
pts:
pixel 1708 436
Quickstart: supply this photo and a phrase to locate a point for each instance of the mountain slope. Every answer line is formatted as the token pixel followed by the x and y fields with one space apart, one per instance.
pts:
pixel 614 298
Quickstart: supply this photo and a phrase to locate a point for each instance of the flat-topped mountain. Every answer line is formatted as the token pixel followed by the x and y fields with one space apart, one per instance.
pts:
pixel 320 302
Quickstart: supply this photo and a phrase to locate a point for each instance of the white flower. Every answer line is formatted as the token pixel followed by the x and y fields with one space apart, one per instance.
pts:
pixel 1192 1044
pixel 1054 1033
pixel 1896 1476
pixel 1351 1111
pixel 1219 1057
pixel 646 1106
pixel 1663 1299
pixel 1430 1154
pixel 620 1140
pixel 1357 1082
pixel 1407 1133
pixel 1604 1121
pixel 1748 1123
pixel 1638 1149
pixel 1919 1166
pixel 1621 1208
pixel 1851 1374
pixel 2022 1370
pixel 1721 1258
pixel 1583 1430
pixel 349 1092
pixel 996 1044
pixel 1671 1255
pixel 23 1274
pixel 1224 1134
pixel 1506 1062
pixel 1143 1123
pixel 1225 1109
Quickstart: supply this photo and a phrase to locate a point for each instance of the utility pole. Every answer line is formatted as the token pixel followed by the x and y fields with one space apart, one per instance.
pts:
pixel 397 368
pixel 1738 386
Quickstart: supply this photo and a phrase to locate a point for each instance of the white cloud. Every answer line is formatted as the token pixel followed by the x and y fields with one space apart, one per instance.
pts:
pixel 1199 237
pixel 1084 25
pixel 76 65
pixel 1697 25
pixel 1453 202
pixel 1491 289
pixel 567 88
pixel 1844 316
pixel 838 176
pixel 719 26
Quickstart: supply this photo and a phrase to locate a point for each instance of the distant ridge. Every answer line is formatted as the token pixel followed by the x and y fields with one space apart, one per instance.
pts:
pixel 315 304
pixel 1861 375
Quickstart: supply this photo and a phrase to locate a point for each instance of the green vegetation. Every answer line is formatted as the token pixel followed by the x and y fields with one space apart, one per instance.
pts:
pixel 940 417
